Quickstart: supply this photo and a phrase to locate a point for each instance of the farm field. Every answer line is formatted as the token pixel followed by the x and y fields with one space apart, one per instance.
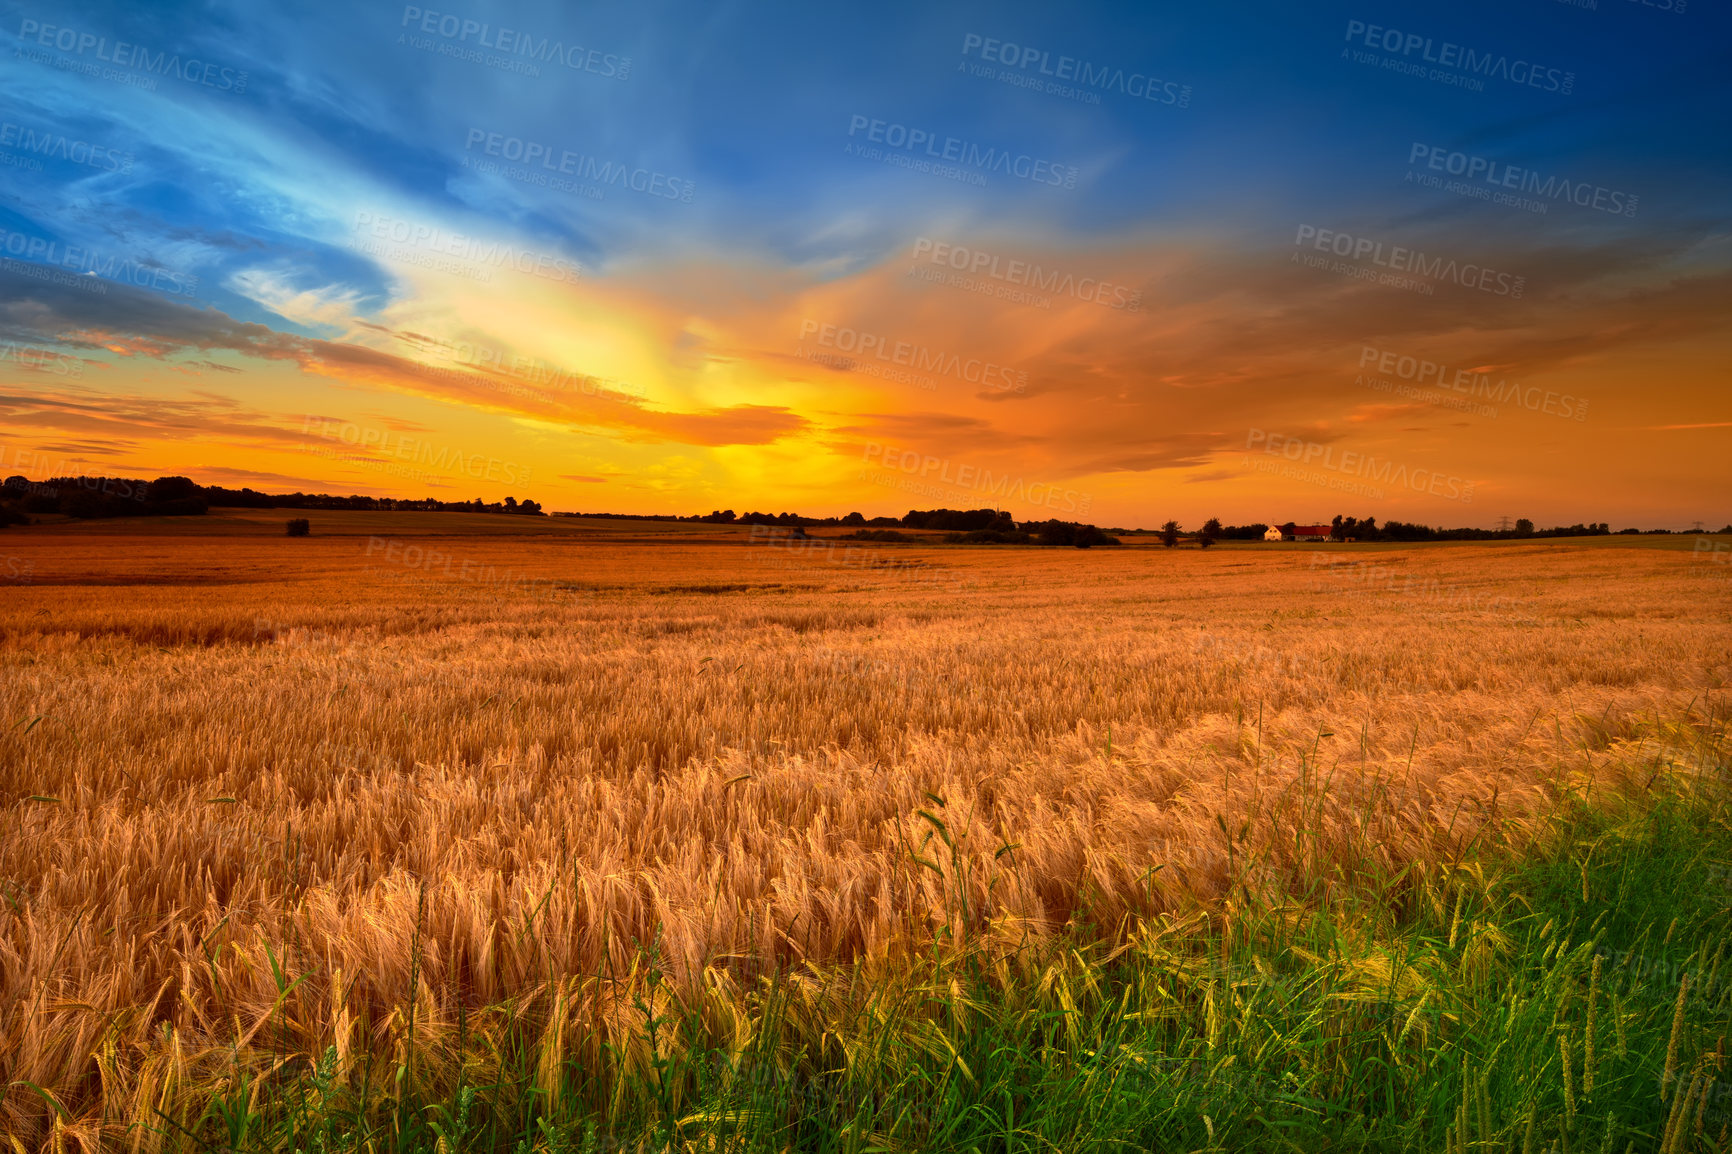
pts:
pixel 423 834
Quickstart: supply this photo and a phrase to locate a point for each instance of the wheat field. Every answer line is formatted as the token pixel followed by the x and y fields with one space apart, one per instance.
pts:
pixel 267 799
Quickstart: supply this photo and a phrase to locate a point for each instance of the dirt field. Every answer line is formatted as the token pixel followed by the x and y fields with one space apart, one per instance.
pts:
pixel 384 755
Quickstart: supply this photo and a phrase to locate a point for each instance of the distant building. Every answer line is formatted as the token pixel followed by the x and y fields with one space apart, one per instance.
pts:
pixel 1292 532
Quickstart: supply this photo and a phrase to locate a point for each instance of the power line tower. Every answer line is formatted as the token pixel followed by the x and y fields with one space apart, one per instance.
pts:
pixel 1698 528
pixel 1503 523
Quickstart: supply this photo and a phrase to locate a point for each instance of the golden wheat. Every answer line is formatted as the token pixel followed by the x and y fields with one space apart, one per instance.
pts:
pixel 426 789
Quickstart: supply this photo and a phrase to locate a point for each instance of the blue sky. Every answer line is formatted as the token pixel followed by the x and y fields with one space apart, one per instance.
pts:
pixel 248 201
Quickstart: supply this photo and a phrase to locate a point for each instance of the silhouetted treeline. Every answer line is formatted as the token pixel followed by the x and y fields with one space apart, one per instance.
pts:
pixel 1057 533
pixel 960 520
pixel 960 526
pixel 1343 528
pixel 94 497
pixel 253 499
pixel 1241 532
pixel 1367 529
pixel 728 517
pixel 952 520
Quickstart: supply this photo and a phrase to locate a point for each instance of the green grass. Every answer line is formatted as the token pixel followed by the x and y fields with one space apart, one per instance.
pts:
pixel 1524 1003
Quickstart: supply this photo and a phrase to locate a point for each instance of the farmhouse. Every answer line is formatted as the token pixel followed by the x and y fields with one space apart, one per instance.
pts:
pixel 1292 532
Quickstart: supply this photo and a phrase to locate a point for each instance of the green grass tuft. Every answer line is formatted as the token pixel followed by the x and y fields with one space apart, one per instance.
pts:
pixel 1572 999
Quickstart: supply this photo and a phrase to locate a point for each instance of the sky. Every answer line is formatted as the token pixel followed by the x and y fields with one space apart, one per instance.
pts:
pixel 1104 262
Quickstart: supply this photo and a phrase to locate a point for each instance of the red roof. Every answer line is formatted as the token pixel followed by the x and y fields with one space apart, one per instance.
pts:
pixel 1311 530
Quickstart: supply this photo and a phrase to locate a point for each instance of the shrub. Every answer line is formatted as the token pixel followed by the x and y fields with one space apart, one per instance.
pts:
pixel 876 535
pixel 988 537
pixel 298 527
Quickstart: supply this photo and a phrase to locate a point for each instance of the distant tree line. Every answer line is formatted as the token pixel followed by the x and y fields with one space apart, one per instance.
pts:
pixel 252 499
pixel 1343 528
pixel 87 497
pixel 1367 529
pixel 966 526
pixel 1064 533
pixel 91 497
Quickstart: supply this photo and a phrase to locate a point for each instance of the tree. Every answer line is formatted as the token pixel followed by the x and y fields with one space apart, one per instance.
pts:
pixel 958 520
pixel 1524 527
pixel 1088 536
pixel 298 527
pixel 1210 531
pixel 1170 534
pixel 1353 529
pixel 1054 532
pixel 171 489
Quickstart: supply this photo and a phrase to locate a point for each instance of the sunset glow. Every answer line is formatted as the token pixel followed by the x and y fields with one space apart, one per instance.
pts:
pixel 1245 264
